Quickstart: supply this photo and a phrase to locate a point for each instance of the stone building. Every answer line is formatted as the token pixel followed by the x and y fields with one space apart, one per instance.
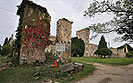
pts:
pixel 91 48
pixel 35 25
pixel 63 36
pixel 114 52
pixel 122 50
pixel 84 35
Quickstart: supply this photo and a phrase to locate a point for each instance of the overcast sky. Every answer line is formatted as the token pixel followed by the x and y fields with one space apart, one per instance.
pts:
pixel 73 10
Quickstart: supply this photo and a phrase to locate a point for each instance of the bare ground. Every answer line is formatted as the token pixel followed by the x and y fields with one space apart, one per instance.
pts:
pixel 110 74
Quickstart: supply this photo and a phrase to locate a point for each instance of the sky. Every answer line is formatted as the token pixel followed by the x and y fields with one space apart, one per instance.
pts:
pixel 72 10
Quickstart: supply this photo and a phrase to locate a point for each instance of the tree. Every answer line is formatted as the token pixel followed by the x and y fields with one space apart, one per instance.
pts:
pixel 0 49
pixel 122 23
pixel 102 43
pixel 6 49
pixel 6 41
pixel 102 48
pixel 129 54
pixel 105 52
pixel 77 47
pixel 18 37
pixel 129 48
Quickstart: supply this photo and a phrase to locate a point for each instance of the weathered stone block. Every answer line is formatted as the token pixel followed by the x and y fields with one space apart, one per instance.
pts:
pixel 79 65
pixel 67 67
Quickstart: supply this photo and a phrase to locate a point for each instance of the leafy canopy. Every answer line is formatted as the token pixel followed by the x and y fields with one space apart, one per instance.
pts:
pixel 6 41
pixel 6 49
pixel 77 47
pixel 122 23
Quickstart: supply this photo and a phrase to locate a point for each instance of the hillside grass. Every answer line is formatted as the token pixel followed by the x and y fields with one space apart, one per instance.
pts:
pixel 111 61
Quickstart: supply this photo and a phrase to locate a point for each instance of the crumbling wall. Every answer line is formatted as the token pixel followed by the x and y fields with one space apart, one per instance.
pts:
pixel 92 49
pixel 63 36
pixel 84 35
pixel 35 32
pixel 114 52
pixel 121 52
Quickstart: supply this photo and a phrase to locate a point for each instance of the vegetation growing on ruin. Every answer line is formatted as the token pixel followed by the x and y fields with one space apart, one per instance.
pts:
pixel 42 73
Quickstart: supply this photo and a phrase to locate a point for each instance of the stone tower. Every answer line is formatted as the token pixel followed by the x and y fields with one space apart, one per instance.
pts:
pixel 63 36
pixel 84 35
pixel 35 25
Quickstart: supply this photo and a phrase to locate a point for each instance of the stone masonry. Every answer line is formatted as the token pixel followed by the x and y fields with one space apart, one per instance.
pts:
pixel 91 48
pixel 84 35
pixel 63 36
pixel 35 25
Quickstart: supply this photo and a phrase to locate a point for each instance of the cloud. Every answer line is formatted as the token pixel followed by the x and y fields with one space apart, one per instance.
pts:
pixel 73 10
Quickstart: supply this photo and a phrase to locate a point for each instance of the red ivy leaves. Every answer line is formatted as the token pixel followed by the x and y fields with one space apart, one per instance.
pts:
pixel 36 35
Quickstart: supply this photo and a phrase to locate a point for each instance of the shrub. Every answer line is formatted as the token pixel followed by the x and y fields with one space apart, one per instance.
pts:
pixel 50 58
pixel 6 49
pixel 104 52
pixel 129 54
pixel 0 49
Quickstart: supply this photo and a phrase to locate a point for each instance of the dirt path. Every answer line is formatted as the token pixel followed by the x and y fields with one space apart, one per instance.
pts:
pixel 110 74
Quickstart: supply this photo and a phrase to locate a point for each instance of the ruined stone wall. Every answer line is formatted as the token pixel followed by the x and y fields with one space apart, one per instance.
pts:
pixel 84 35
pixel 63 36
pixel 35 32
pixel 92 49
pixel 121 52
pixel 114 52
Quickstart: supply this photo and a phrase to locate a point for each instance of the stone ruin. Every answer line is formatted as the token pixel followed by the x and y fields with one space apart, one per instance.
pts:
pixel 35 26
pixel 63 37
pixel 91 48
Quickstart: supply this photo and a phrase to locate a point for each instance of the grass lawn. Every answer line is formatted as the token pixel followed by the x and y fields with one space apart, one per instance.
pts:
pixel 27 74
pixel 112 61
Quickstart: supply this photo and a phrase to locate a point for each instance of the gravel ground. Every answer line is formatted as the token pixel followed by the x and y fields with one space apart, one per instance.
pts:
pixel 110 74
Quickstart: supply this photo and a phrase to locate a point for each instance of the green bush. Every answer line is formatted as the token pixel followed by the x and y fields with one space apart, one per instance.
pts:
pixel 50 58
pixel 104 52
pixel 129 54
pixel 6 49
pixel 0 49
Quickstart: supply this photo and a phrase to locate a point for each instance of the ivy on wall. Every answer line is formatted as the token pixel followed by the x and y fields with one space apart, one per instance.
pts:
pixel 34 26
pixel 36 35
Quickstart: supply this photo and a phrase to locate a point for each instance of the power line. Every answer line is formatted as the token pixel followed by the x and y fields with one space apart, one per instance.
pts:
pixel 7 10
